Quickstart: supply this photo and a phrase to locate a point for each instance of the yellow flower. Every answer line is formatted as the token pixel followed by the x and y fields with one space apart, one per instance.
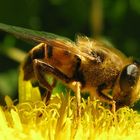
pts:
pixel 31 119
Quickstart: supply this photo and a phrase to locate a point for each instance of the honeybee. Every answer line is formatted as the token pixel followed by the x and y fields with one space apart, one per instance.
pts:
pixel 86 65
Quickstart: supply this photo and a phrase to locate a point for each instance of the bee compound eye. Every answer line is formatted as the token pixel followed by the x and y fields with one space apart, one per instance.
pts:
pixel 129 77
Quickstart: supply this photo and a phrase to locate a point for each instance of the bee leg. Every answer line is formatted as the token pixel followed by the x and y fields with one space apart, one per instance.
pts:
pixel 106 98
pixel 44 67
pixel 48 92
pixel 113 108
pixel 40 77
pixel 49 69
pixel 78 97
pixel 41 67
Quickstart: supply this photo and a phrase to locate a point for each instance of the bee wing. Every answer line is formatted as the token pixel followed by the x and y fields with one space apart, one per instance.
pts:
pixel 45 37
pixel 27 34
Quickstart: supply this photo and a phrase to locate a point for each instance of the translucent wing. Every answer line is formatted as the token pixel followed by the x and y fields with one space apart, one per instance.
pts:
pixel 37 36
pixel 45 37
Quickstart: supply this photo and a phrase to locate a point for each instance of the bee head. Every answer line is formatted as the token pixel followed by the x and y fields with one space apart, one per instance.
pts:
pixel 129 83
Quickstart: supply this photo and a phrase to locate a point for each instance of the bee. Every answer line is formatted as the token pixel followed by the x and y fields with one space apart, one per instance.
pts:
pixel 86 65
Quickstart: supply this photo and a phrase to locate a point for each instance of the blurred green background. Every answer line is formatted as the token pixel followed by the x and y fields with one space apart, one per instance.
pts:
pixel 116 20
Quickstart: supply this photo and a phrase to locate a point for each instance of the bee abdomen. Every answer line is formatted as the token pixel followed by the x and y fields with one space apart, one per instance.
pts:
pixel 28 68
pixel 36 53
pixel 49 51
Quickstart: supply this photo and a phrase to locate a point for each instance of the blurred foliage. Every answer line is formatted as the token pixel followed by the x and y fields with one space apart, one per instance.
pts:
pixel 119 19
